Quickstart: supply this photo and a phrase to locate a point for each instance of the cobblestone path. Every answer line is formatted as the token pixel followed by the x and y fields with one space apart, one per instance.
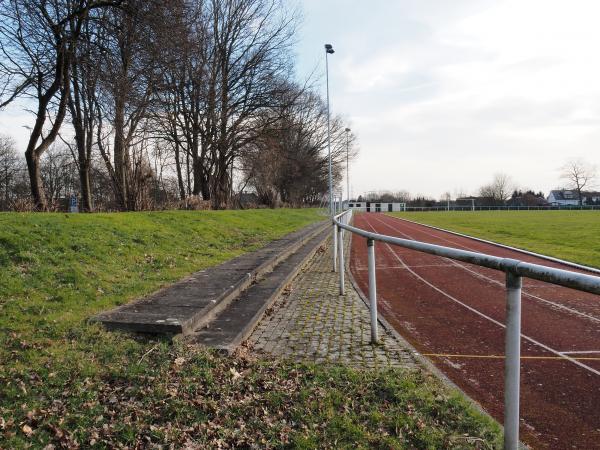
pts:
pixel 311 321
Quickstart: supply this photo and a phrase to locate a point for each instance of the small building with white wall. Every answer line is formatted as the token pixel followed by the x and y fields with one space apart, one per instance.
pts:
pixel 565 197
pixel 377 206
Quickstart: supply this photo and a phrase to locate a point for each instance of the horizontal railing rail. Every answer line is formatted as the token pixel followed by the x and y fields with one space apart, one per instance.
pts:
pixel 514 270
pixel 503 208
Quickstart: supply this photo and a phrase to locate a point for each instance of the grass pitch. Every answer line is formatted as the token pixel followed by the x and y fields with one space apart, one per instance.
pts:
pixel 67 384
pixel 569 235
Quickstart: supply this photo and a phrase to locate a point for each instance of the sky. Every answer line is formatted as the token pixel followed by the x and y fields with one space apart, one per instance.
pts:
pixel 444 94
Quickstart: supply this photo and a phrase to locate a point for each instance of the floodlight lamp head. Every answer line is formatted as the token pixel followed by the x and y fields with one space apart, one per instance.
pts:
pixel 329 48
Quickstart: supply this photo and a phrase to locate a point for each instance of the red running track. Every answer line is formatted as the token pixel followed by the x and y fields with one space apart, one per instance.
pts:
pixel 457 310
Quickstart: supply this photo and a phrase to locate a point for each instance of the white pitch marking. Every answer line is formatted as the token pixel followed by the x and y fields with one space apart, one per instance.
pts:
pixel 479 313
pixel 481 275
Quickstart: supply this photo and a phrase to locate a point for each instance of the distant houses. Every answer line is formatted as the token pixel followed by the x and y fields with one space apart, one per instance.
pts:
pixel 567 197
pixel 528 198
pixel 519 199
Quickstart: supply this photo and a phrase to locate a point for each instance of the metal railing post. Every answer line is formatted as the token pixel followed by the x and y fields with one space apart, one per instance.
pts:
pixel 335 250
pixel 341 259
pixel 512 362
pixel 372 290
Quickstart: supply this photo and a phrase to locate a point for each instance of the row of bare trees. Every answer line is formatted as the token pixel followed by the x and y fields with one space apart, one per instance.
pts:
pixel 285 163
pixel 60 177
pixel 578 174
pixel 175 94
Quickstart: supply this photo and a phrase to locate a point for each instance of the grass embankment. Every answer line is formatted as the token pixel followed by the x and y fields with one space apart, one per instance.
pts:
pixel 68 383
pixel 569 235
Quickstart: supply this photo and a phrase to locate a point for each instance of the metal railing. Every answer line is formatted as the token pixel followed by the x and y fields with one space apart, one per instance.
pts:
pixel 514 269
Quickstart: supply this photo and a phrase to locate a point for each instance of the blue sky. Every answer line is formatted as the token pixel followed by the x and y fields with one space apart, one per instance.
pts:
pixel 443 94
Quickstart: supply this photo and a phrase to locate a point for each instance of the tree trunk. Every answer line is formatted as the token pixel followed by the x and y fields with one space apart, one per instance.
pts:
pixel 187 172
pixel 180 183
pixel 119 160
pixel 220 186
pixel 86 189
pixel 197 174
pixel 205 189
pixel 6 187
pixel 35 180
pixel 83 159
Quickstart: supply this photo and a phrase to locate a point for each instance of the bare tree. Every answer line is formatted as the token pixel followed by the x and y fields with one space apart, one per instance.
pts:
pixel 82 101
pixel 181 115
pixel 288 161
pixel 159 91
pixel 402 196
pixel 126 92
pixel 578 173
pixel 38 39
pixel 499 190
pixel 59 175
pixel 225 69
pixel 446 197
pixel 250 63
pixel 11 169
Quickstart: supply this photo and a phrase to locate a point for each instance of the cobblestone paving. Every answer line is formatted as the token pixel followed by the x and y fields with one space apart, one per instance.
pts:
pixel 311 321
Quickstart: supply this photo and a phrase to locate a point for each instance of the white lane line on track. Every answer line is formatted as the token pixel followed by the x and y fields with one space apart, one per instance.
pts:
pixel 582 352
pixel 402 267
pixel 527 294
pixel 481 275
pixel 479 313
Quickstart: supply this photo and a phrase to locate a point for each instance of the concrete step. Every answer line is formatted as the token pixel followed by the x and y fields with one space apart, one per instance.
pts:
pixel 236 322
pixel 195 301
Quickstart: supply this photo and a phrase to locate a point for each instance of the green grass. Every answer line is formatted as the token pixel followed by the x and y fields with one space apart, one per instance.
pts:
pixel 66 382
pixel 569 235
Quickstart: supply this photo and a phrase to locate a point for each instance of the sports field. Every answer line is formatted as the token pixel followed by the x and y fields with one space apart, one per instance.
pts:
pixel 569 235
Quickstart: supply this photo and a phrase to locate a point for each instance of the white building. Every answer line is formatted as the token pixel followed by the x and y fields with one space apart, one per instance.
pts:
pixel 565 197
pixel 377 206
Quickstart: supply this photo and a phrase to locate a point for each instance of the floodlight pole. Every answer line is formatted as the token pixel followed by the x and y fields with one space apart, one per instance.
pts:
pixel 348 166
pixel 328 50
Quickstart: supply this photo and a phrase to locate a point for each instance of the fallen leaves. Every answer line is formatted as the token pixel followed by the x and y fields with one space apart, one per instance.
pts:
pixel 27 431
pixel 179 361
pixel 234 374
pixel 186 397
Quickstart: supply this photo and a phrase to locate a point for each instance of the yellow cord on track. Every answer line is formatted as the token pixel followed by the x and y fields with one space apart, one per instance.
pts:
pixel 450 355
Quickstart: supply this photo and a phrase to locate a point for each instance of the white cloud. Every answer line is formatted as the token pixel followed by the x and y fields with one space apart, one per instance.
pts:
pixel 471 88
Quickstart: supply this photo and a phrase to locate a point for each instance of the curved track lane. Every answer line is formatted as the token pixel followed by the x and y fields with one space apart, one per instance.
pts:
pixel 454 313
